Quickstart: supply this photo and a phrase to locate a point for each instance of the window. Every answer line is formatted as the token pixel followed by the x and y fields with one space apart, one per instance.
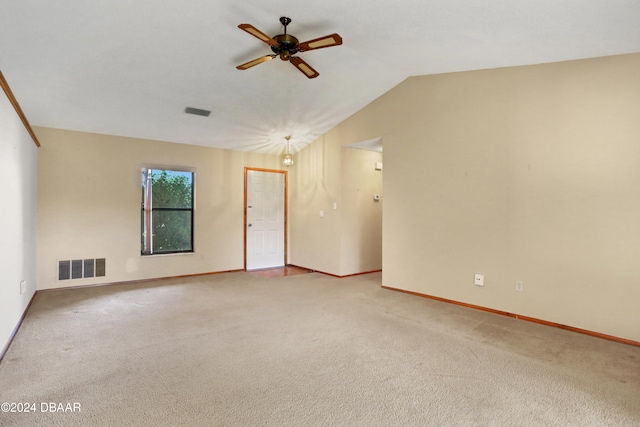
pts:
pixel 167 211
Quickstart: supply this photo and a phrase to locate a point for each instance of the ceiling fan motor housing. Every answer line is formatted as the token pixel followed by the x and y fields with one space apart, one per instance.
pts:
pixel 287 46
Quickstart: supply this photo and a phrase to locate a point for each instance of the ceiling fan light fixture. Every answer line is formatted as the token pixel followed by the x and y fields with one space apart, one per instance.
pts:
pixel 287 158
pixel 285 56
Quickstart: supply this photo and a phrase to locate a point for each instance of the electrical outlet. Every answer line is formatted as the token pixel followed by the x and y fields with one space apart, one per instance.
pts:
pixel 23 287
pixel 519 286
pixel 478 280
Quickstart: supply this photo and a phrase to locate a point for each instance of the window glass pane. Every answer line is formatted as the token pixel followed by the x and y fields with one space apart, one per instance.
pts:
pixel 145 218
pixel 171 189
pixel 143 226
pixel 171 231
pixel 167 211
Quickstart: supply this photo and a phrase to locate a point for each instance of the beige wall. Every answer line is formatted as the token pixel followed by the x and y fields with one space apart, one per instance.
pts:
pixel 348 240
pixel 525 173
pixel 19 166
pixel 315 186
pixel 89 205
pixel 361 228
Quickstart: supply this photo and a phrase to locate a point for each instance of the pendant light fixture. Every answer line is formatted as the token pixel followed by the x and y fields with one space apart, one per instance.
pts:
pixel 287 158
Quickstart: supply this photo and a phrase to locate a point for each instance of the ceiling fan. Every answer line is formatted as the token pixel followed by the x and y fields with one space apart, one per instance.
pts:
pixel 285 46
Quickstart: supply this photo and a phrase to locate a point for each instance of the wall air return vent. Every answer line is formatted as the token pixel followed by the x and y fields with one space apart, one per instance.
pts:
pixel 81 268
pixel 197 111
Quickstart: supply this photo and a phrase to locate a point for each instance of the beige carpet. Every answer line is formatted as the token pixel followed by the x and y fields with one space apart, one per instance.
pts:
pixel 309 350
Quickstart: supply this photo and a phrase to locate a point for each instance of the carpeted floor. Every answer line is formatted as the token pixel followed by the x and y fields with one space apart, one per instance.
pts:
pixel 238 349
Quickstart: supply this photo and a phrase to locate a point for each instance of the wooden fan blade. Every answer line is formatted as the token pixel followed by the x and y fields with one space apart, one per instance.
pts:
pixel 255 62
pixel 319 43
pixel 257 33
pixel 304 67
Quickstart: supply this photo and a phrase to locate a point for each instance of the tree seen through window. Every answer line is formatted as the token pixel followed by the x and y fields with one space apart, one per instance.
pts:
pixel 167 211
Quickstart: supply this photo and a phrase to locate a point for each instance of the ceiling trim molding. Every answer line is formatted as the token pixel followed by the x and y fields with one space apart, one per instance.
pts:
pixel 16 106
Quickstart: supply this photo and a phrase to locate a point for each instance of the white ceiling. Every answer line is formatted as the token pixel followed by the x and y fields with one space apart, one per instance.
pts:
pixel 130 68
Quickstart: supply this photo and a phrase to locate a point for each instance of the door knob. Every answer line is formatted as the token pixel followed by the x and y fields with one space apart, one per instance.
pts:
pixel 250 225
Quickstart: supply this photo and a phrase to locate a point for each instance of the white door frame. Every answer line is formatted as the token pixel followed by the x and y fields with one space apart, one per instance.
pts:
pixel 286 213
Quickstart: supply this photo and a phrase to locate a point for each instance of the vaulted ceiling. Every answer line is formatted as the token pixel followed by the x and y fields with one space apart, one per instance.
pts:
pixel 130 68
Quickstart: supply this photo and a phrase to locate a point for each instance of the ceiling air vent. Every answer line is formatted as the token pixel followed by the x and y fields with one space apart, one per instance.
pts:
pixel 197 111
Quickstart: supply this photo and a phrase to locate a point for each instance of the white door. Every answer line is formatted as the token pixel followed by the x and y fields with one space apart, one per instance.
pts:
pixel 265 207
